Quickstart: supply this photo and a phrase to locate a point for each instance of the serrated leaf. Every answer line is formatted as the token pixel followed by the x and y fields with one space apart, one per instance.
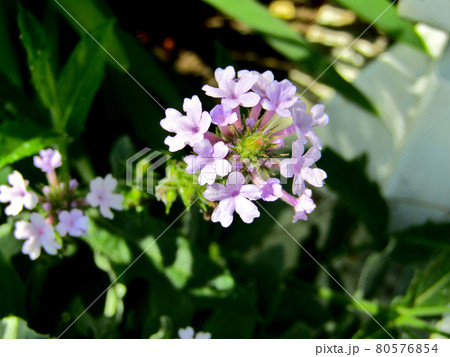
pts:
pixel 92 16
pixel 38 54
pixel 20 139
pixel 81 78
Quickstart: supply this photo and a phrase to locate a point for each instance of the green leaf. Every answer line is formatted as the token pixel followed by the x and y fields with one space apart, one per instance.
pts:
pixel 20 139
pixel 389 22
pixel 8 60
pixel 431 287
pixel 374 270
pixel 38 55
pixel 81 78
pixel 13 300
pixel 181 269
pixel 278 34
pixel 358 194
pixel 106 241
pixel 92 16
pixel 126 50
pixel 419 243
pixel 13 327
pixel 165 329
pixel 122 149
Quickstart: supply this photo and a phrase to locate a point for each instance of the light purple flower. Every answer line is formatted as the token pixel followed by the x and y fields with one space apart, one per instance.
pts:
pixel 73 184
pixel 222 115
pixel 37 234
pixel 271 191
pixel 17 194
pixel 299 166
pixel 250 123
pixel 47 160
pixel 73 222
pixel 210 161
pixel 280 97
pixel 189 128
pixel 264 79
pixel 233 92
pixel 304 122
pixel 235 196
pixel 188 333
pixel 304 205
pixel 102 195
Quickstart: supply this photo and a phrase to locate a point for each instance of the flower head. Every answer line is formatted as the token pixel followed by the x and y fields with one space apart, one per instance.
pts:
pixel 47 160
pixel 233 92
pixel 189 128
pixel 299 167
pixel 210 161
pixel 188 333
pixel 73 222
pixel 246 145
pixel 102 195
pixel 17 194
pixel 235 196
pixel 37 234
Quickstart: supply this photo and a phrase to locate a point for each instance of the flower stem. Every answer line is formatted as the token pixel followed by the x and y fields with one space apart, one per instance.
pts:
pixel 52 179
pixel 266 118
pixel 213 138
pixel 256 110
pixel 285 132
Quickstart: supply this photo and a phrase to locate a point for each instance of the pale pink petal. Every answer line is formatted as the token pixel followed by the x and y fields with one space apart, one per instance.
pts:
pixel 249 99
pixel 110 183
pixel 213 91
pixel 251 192
pixel 222 167
pixel 246 209
pixel 224 212
pixel 216 192
pixel 170 122
pixel 236 178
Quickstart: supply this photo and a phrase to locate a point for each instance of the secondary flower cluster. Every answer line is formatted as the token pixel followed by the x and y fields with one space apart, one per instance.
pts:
pixel 189 333
pixel 60 206
pixel 244 146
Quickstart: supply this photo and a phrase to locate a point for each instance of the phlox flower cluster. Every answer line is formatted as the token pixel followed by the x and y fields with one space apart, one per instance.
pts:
pixel 238 160
pixel 58 211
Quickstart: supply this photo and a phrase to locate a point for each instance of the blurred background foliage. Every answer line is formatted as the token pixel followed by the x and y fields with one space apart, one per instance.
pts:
pixel 381 227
